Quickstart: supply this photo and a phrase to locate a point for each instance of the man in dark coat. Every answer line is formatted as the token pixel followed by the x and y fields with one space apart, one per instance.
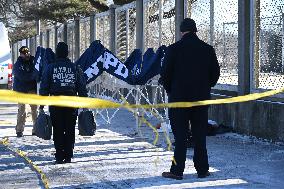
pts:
pixel 63 78
pixel 189 71
pixel 25 75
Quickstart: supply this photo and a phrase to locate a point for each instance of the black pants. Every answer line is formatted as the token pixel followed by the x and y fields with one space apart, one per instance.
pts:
pixel 63 121
pixel 179 118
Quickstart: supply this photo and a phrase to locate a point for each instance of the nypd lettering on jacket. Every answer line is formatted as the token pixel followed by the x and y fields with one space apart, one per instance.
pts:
pixel 108 62
pixel 63 75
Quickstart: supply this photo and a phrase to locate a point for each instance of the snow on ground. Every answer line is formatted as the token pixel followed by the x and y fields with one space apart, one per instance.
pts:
pixel 117 158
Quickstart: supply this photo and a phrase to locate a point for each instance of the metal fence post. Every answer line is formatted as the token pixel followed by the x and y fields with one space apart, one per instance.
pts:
pixel 65 38
pixel 35 43
pixel 256 12
pixel 211 40
pixel 283 42
pixel 55 36
pixel 179 17
pixel 139 45
pixel 27 42
pixel 77 38
pixel 187 9
pixel 127 33
pixel 30 43
pixel 244 68
pixel 160 21
pixel 112 29
pixel 47 38
pixel 92 28
pixel 41 39
pixel 140 25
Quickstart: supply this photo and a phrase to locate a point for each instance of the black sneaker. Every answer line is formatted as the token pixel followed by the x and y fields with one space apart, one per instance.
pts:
pixel 171 175
pixel 19 134
pixel 203 175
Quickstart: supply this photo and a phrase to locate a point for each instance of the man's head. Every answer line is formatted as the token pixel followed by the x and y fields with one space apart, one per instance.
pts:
pixel 188 25
pixel 24 52
pixel 61 50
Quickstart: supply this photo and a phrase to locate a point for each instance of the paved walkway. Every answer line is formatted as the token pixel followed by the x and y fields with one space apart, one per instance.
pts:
pixel 116 158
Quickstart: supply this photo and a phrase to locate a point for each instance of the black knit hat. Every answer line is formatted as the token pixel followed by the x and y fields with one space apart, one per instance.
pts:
pixel 62 50
pixel 188 24
pixel 24 50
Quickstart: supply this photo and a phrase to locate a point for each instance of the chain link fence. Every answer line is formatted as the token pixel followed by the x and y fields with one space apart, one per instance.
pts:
pixel 44 39
pixel 268 42
pixel 51 43
pixel 217 23
pixel 102 31
pixel 84 34
pixel 131 29
pixel 159 23
pixel 125 30
pixel 71 40
pixel 122 25
pixel 152 28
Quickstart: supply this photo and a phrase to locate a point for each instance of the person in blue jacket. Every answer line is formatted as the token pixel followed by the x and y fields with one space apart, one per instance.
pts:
pixel 63 78
pixel 25 76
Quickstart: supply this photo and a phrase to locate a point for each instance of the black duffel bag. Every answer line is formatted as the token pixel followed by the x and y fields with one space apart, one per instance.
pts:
pixel 43 126
pixel 86 123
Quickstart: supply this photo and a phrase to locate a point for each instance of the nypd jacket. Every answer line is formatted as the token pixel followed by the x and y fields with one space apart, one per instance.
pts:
pixel 189 70
pixel 25 75
pixel 63 78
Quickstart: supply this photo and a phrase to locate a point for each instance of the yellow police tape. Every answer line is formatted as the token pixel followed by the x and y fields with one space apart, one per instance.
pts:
pixel 5 142
pixel 84 102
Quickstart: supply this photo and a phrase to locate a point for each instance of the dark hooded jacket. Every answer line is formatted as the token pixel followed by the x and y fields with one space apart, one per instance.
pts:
pixel 25 75
pixel 63 78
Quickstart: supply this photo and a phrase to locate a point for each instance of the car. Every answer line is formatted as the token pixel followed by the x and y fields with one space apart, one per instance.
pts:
pixel 5 59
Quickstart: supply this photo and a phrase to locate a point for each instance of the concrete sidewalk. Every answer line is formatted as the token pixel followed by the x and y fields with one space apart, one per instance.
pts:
pixel 116 158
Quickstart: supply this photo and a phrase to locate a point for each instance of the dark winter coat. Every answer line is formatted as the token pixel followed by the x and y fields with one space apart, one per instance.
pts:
pixel 189 70
pixel 63 78
pixel 25 75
